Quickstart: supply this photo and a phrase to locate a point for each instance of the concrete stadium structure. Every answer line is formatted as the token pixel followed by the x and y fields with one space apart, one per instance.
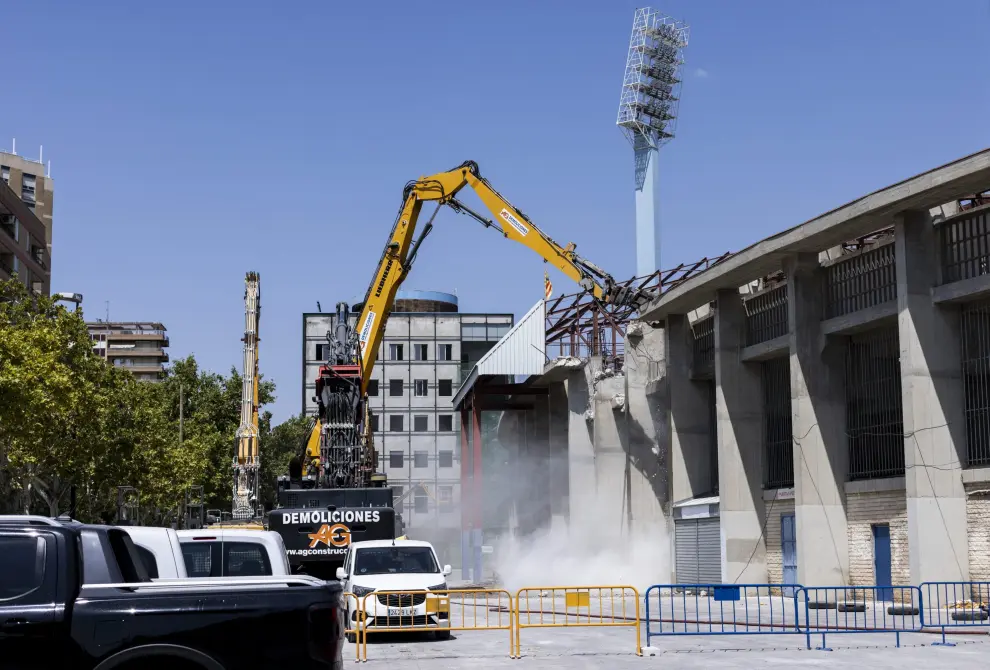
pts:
pixel 816 408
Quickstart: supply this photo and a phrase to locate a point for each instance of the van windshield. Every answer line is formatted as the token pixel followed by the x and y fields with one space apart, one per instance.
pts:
pixel 394 561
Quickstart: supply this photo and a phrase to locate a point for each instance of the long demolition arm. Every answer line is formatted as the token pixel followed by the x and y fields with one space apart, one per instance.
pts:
pixel 246 460
pixel 400 253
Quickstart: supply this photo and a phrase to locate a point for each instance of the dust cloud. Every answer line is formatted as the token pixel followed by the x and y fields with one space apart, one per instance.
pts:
pixel 539 548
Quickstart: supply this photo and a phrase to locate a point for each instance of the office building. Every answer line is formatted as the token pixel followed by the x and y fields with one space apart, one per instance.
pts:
pixel 428 348
pixel 138 346
pixel 26 195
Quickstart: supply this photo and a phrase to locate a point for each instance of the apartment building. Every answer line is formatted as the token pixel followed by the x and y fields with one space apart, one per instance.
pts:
pixel 138 346
pixel 26 195
pixel 428 348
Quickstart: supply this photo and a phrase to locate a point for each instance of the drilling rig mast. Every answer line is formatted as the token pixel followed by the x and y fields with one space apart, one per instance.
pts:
pixel 247 493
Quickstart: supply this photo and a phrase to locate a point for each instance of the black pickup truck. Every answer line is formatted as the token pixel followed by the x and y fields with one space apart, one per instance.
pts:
pixel 77 596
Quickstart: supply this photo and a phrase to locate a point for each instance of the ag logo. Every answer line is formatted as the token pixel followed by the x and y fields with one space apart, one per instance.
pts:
pixel 337 535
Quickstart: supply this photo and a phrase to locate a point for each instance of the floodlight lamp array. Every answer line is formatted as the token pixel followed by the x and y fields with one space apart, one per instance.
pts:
pixel 651 85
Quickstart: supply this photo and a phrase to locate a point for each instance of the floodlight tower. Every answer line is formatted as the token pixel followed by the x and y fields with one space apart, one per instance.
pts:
pixel 647 116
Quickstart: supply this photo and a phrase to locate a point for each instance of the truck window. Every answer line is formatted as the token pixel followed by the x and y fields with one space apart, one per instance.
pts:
pixel 148 558
pixel 22 566
pixel 245 559
pixel 198 557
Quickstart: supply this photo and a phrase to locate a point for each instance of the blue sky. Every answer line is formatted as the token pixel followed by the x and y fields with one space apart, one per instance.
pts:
pixel 191 142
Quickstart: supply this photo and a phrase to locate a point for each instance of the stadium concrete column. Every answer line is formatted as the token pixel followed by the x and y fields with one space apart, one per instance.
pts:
pixel 558 434
pixel 933 402
pixel 739 408
pixel 689 471
pixel 581 481
pixel 818 424
pixel 647 158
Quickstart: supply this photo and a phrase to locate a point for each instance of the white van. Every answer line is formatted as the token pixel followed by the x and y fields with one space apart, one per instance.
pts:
pixel 408 567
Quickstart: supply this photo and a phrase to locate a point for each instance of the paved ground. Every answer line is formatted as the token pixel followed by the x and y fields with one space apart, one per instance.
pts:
pixel 576 649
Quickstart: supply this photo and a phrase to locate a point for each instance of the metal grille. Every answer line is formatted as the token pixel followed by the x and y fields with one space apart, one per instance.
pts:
pixel 401 599
pixel 704 346
pixel 766 315
pixel 874 420
pixel 713 437
pixel 976 371
pixel 965 247
pixel 778 440
pixel 863 281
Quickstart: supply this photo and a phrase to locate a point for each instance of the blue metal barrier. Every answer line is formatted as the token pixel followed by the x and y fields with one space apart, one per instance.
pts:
pixel 721 609
pixel 955 605
pixel 826 610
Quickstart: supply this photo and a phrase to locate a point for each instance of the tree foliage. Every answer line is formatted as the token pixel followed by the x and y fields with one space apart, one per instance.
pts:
pixel 68 419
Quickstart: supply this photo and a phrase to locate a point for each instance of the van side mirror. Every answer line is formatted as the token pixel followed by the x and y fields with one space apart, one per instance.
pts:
pixel 447 570
pixel 341 575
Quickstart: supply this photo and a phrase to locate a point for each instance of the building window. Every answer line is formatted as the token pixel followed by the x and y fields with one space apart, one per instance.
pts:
pixel 395 387
pixel 395 460
pixel 446 459
pixel 27 188
pixel 322 351
pixel 420 388
pixel 373 418
pixel 395 423
pixel 5 174
pixel 421 351
pixel 373 387
pixel 445 423
pixel 445 496
pixel 445 387
pixel 445 352
pixel 395 352
pixel 397 491
pixel 421 459
pixel 422 501
pixel 420 423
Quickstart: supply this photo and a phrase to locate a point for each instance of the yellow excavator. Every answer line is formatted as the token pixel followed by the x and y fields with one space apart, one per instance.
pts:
pixel 336 468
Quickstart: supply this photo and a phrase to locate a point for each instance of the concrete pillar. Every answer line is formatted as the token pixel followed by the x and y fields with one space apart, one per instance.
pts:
pixel 580 444
pixel 558 428
pixel 613 474
pixel 645 420
pixel 818 420
pixel 739 400
pixel 933 402
pixel 688 472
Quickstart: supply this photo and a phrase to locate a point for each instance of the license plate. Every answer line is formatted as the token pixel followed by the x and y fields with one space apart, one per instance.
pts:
pixel 400 611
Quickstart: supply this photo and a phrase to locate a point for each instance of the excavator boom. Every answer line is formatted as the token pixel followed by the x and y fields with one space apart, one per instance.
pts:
pixel 342 383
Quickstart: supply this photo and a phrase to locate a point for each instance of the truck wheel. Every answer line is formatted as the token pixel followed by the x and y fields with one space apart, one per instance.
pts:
pixel 442 634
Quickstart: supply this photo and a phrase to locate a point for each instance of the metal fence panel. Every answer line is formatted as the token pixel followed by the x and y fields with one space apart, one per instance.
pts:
pixel 766 315
pixel 965 247
pixel 435 612
pixel 577 606
pixel 778 437
pixel 975 330
pixel 720 609
pixel 826 610
pixel 861 281
pixel 874 420
pixel 955 605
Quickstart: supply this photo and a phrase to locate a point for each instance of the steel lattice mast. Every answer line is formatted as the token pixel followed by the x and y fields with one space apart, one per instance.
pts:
pixel 648 115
